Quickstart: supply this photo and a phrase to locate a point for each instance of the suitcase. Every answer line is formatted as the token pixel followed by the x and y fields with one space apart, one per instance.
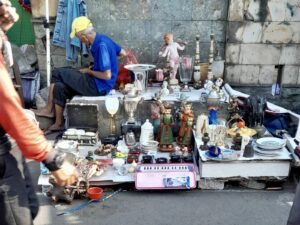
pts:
pixel 82 121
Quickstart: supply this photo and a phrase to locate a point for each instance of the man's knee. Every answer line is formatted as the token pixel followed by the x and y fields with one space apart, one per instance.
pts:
pixel 59 88
pixel 55 75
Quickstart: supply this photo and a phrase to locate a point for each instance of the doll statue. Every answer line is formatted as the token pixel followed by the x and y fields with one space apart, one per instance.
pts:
pixel 165 135
pixel 187 117
pixel 169 50
pixel 188 134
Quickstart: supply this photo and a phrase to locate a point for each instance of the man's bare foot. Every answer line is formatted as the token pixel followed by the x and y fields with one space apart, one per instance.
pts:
pixel 56 127
pixel 53 128
pixel 43 112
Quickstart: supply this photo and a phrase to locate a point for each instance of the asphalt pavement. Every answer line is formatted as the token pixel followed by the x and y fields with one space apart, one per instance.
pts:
pixel 232 206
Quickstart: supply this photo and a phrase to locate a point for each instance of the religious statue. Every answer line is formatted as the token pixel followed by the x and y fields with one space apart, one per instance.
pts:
pixel 170 50
pixel 188 132
pixel 187 118
pixel 165 135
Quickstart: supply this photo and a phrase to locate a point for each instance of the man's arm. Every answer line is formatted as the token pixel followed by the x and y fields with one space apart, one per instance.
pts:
pixel 105 75
pixel 122 53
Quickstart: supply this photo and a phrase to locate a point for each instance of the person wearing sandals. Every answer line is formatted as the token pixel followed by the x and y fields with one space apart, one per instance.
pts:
pixel 68 82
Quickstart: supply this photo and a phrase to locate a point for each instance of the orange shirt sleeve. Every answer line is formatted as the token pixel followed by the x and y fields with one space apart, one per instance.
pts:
pixel 14 121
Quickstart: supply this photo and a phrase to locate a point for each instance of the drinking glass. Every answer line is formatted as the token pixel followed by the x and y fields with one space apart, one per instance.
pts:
pixel 185 71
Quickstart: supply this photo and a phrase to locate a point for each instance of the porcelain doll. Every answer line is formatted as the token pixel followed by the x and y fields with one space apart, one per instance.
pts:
pixel 170 50
pixel 164 89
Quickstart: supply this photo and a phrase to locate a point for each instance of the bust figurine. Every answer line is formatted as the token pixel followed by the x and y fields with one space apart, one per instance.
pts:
pixel 170 50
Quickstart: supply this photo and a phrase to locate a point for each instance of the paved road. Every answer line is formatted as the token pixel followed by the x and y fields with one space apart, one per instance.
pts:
pixel 197 207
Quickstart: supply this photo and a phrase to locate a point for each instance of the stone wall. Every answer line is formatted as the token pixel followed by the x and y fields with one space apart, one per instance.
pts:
pixel 255 35
pixel 261 35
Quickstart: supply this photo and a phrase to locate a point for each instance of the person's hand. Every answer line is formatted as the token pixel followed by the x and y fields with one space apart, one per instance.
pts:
pixel 8 15
pixel 66 175
pixel 85 70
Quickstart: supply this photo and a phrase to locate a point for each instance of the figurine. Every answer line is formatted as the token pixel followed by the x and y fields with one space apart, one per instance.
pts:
pixel 249 151
pixel 202 124
pixel 233 107
pixel 188 134
pixel 237 142
pixel 205 140
pixel 220 135
pixel 155 116
pixel 187 118
pixel 169 50
pixel 165 136
pixel 164 91
pixel 90 156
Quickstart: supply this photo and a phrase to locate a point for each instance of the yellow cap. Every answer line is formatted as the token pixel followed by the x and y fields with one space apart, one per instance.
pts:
pixel 80 24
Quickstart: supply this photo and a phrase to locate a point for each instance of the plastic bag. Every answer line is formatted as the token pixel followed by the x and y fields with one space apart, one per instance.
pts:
pixel 125 76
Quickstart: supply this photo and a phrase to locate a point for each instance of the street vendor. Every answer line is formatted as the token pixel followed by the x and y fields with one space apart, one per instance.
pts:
pixel 96 81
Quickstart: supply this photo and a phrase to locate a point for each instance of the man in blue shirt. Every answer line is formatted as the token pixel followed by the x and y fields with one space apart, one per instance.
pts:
pixel 67 82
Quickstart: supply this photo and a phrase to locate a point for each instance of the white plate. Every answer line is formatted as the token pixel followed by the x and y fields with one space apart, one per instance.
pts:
pixel 267 150
pixel 270 143
pixel 266 155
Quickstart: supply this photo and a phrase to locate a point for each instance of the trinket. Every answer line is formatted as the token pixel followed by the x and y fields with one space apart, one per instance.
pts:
pixel 205 140
pixel 249 151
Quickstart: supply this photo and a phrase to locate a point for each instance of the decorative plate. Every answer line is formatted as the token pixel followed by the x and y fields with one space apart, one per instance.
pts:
pixel 270 143
pixel 243 131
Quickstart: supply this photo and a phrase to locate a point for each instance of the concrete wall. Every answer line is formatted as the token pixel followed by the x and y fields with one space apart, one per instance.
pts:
pixel 262 34
pixel 255 35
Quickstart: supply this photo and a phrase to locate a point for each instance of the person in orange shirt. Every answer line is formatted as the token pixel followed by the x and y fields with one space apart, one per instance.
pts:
pixel 18 201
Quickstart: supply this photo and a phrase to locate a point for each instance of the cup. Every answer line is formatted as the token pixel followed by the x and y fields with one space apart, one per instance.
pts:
pixel 159 74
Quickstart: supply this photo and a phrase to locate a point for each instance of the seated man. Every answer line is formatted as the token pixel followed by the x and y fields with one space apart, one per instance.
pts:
pixel 68 82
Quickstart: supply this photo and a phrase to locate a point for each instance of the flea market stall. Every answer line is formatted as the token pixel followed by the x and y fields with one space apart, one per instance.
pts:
pixel 171 135
pixel 128 151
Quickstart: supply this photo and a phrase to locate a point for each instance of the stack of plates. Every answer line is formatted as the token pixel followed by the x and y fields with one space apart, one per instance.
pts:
pixel 149 146
pixel 269 146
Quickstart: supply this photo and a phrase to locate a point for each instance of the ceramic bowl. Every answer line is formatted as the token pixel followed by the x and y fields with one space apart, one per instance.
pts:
pixel 95 193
